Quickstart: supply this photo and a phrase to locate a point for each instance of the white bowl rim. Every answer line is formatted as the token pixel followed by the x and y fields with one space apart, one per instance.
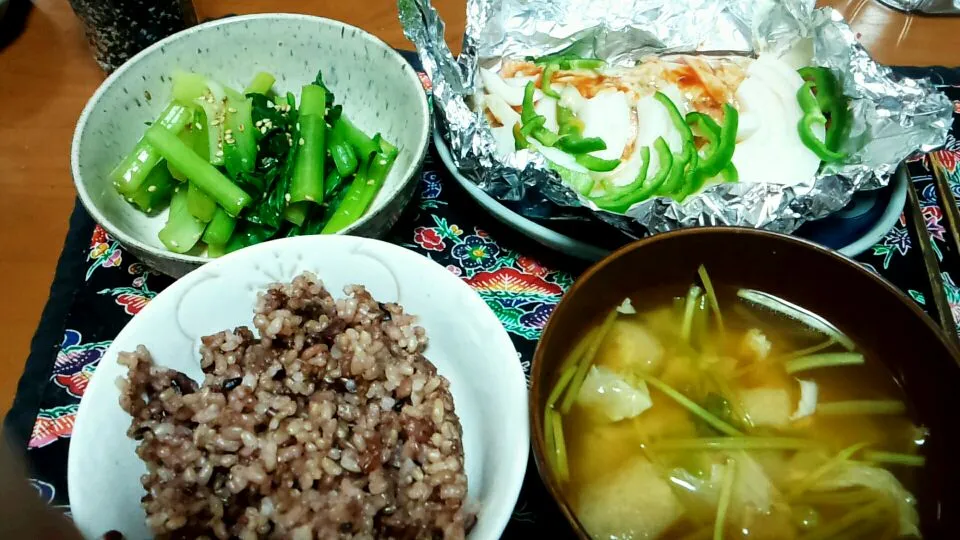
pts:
pixel 515 377
pixel 128 240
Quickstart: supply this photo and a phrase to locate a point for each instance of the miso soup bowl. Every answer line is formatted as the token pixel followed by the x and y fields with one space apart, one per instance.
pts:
pixel 882 320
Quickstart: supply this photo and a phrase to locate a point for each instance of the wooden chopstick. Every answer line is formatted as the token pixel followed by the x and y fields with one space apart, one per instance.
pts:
pixel 930 259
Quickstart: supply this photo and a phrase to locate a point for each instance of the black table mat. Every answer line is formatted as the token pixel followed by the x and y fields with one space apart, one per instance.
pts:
pixel 98 287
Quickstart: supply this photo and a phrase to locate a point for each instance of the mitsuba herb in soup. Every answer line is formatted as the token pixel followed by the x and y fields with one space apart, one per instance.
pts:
pixel 726 413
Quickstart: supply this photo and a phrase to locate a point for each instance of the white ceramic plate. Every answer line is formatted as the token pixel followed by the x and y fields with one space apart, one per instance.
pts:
pixel 467 344
pixel 378 89
pixel 885 218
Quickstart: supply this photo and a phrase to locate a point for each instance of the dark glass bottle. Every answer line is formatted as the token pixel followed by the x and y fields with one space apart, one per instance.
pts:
pixel 119 29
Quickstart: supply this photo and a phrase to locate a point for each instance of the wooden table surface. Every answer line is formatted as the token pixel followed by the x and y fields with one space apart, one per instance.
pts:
pixel 47 74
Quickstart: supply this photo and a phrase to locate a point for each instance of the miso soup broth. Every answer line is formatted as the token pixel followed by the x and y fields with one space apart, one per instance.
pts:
pixel 722 413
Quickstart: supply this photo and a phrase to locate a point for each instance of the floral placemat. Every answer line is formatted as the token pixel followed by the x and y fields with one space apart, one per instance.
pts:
pixel 99 287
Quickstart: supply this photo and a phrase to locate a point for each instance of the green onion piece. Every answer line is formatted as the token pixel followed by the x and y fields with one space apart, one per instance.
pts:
pixel 813 349
pixel 864 513
pixel 842 498
pixel 818 473
pixel 797 313
pixel 586 361
pixel 550 437
pixel 687 403
pixel 726 493
pixel 561 385
pixel 711 295
pixel 735 443
pixel 692 295
pixel 816 361
pixel 888 406
pixel 563 469
pixel 894 458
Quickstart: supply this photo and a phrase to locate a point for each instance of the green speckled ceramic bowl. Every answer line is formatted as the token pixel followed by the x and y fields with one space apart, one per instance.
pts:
pixel 376 86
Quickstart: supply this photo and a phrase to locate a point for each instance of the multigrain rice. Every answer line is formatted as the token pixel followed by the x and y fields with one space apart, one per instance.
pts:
pixel 331 424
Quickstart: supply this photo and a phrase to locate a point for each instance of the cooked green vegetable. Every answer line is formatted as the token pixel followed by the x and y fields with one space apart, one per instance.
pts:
pixel 641 189
pixel 220 228
pixel 255 166
pixel 182 230
pixel 585 362
pixel 343 155
pixel 205 175
pixel 547 78
pixel 894 458
pixel 200 205
pixel 134 168
pixel 822 360
pixel 832 102
pixel 261 84
pixel 726 494
pixel 154 194
pixel 691 406
pixel 239 142
pixel 861 407
pixel 813 116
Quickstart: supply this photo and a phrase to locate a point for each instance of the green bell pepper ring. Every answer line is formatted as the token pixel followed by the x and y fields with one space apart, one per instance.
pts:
pixel 722 152
pixel 580 181
pixel 825 84
pixel 730 174
pixel 568 122
pixel 832 102
pixel 675 179
pixel 527 111
pixel 576 145
pixel 596 164
pixel 622 199
pixel 546 78
pixel 583 63
pixel 520 141
pixel 609 198
pixel 545 136
pixel 688 153
pixel 705 126
pixel 813 116
pixel 534 124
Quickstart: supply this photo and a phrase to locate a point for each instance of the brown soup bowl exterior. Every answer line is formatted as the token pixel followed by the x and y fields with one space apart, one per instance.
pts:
pixel 882 320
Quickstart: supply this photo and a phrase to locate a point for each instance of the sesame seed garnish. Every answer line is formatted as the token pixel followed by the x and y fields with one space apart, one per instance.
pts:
pixel 264 130
pixel 151 189
pixel 258 123
pixel 286 197
pixel 270 105
pixel 302 142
